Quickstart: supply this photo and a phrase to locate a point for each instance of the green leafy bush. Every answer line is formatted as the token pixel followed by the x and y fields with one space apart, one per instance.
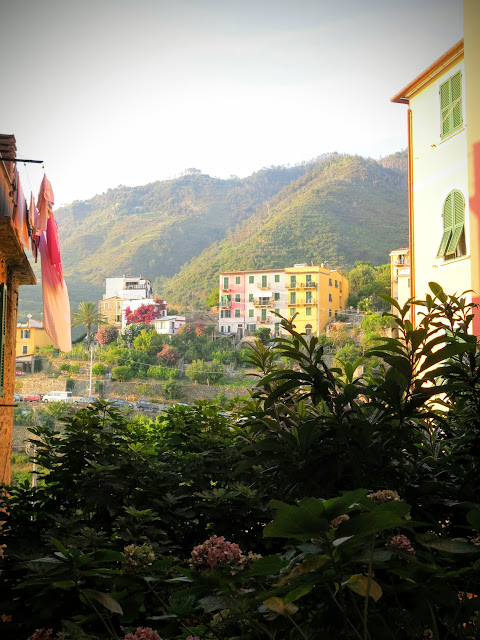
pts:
pixel 162 373
pixel 122 373
pixel 99 369
pixel 204 372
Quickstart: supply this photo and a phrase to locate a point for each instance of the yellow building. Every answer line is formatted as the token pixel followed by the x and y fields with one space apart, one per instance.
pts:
pixel 31 335
pixel 111 311
pixel 444 160
pixel 316 294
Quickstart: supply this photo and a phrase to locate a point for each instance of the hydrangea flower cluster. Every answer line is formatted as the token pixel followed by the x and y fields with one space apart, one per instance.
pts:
pixel 137 557
pixel 193 638
pixel 401 543
pixel 216 551
pixel 385 495
pixel 143 633
pixel 46 634
pixel 476 540
pixel 336 522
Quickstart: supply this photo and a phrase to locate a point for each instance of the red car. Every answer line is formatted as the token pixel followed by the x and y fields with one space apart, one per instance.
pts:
pixel 33 397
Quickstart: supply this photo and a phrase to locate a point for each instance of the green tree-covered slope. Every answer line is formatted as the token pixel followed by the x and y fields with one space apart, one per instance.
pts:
pixel 342 210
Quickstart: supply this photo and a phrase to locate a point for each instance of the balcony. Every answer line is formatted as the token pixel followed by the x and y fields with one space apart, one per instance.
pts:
pixel 302 302
pixel 263 286
pixel 264 320
pixel 292 285
pixel 129 286
pixel 308 285
pixel 263 302
pixel 225 304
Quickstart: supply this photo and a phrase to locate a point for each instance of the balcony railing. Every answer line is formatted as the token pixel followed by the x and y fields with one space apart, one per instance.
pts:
pixel 308 285
pixel 263 302
pixel 263 320
pixel 135 286
pixel 302 302
pixel 292 285
pixel 225 304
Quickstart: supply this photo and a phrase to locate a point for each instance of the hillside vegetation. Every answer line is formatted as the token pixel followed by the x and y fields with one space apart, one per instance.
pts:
pixel 337 209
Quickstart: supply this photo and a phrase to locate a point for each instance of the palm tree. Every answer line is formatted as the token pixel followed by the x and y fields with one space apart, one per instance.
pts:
pixel 87 315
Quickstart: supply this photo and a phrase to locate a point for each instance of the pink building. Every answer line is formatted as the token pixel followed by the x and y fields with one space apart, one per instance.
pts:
pixel 232 303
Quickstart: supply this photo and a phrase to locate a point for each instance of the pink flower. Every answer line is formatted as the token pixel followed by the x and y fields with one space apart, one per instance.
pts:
pixel 216 551
pixel 385 495
pixel 193 638
pixel 143 633
pixel 402 544
pixel 46 634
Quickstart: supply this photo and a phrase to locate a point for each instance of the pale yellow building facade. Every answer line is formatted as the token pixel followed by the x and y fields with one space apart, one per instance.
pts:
pixel 30 336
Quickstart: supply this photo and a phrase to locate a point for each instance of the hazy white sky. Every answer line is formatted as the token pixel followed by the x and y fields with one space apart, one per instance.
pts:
pixel 111 92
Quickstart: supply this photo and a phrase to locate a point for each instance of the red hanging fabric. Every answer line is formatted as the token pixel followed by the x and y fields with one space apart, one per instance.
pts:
pixel 53 246
pixel 45 204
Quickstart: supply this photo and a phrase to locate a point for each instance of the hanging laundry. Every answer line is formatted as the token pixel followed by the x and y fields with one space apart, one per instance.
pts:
pixel 33 218
pixel 45 204
pixel 56 305
pixel 53 245
pixel 20 211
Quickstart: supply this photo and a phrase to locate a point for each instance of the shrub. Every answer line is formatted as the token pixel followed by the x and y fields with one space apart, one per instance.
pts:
pixel 171 390
pixel 204 372
pixel 162 373
pixel 98 387
pixel 122 372
pixel 64 367
pixel 106 334
pixel 74 368
pixel 168 355
pixel 99 369
pixel 70 384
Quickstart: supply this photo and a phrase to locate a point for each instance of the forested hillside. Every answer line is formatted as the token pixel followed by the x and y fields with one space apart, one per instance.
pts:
pixel 342 210
pixel 180 233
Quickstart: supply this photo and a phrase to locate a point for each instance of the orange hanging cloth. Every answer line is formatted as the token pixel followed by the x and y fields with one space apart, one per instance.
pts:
pixel 45 204
pixel 56 305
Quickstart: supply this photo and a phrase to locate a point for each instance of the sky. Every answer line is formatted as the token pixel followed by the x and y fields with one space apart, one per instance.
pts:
pixel 115 92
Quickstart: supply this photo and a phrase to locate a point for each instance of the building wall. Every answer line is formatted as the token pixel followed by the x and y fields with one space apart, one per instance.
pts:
pixel 127 288
pixel 111 310
pixel 439 166
pixel 37 338
pixel 471 17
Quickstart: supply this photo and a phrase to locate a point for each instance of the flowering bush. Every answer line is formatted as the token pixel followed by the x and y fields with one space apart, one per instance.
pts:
pixel 144 314
pixel 400 543
pixel 216 551
pixel 46 634
pixel 106 334
pixel 143 633
pixel 168 355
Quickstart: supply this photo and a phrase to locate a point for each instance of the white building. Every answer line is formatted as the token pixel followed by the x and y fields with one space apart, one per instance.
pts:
pixel 128 288
pixel 265 295
pixel 133 305
pixel 168 325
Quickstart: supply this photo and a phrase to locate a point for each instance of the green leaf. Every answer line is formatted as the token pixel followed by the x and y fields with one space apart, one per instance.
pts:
pixel 431 541
pixel 106 600
pixel 313 564
pixel 473 517
pixel 297 593
pixel 301 522
pixel 359 584
pixel 278 605
pixel 267 566
pixel 65 584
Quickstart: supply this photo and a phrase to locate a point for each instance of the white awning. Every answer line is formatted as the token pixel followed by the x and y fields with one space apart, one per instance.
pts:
pixel 264 294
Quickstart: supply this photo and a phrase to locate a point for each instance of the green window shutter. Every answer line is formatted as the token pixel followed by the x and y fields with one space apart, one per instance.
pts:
pixel 277 311
pixel 445 115
pixel 308 296
pixel 237 279
pixel 264 314
pixel 225 283
pixel 308 311
pixel 456 92
pixel 251 313
pixel 451 117
pixel 293 297
pixel 293 311
pixel 458 222
pixel 264 281
pixel 237 297
pixel 251 279
pixel 237 313
pixel 277 277
pixel 250 297
pixel 3 324
pixel 293 281
pixel 447 225
pixel 277 295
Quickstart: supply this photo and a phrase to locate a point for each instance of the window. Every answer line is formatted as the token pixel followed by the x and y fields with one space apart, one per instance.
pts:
pixel 330 297
pixel 277 295
pixel 329 282
pixel 277 311
pixel 24 350
pixel 264 315
pixel 237 279
pixel 293 297
pixel 293 311
pixel 451 118
pixel 225 283
pixel 453 244
pixel 308 329
pixel 308 311
pixel 336 283
pixel 105 306
pixel 251 327
pixel 25 333
pixel 237 313
pixel 329 313
pixel 251 313
pixel 118 318
pixel 308 278
pixel 221 314
pixel 105 319
pixel 293 282
pixel 264 281
pixel 251 279
pixel 250 297
pixel 237 297
pixel 308 297
pixel 227 313
pixel 277 277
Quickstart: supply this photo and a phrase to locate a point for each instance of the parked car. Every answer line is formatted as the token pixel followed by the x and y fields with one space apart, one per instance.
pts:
pixel 20 373
pixel 144 405
pixel 59 396
pixel 33 397
pixel 86 401
pixel 17 397
pixel 119 403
